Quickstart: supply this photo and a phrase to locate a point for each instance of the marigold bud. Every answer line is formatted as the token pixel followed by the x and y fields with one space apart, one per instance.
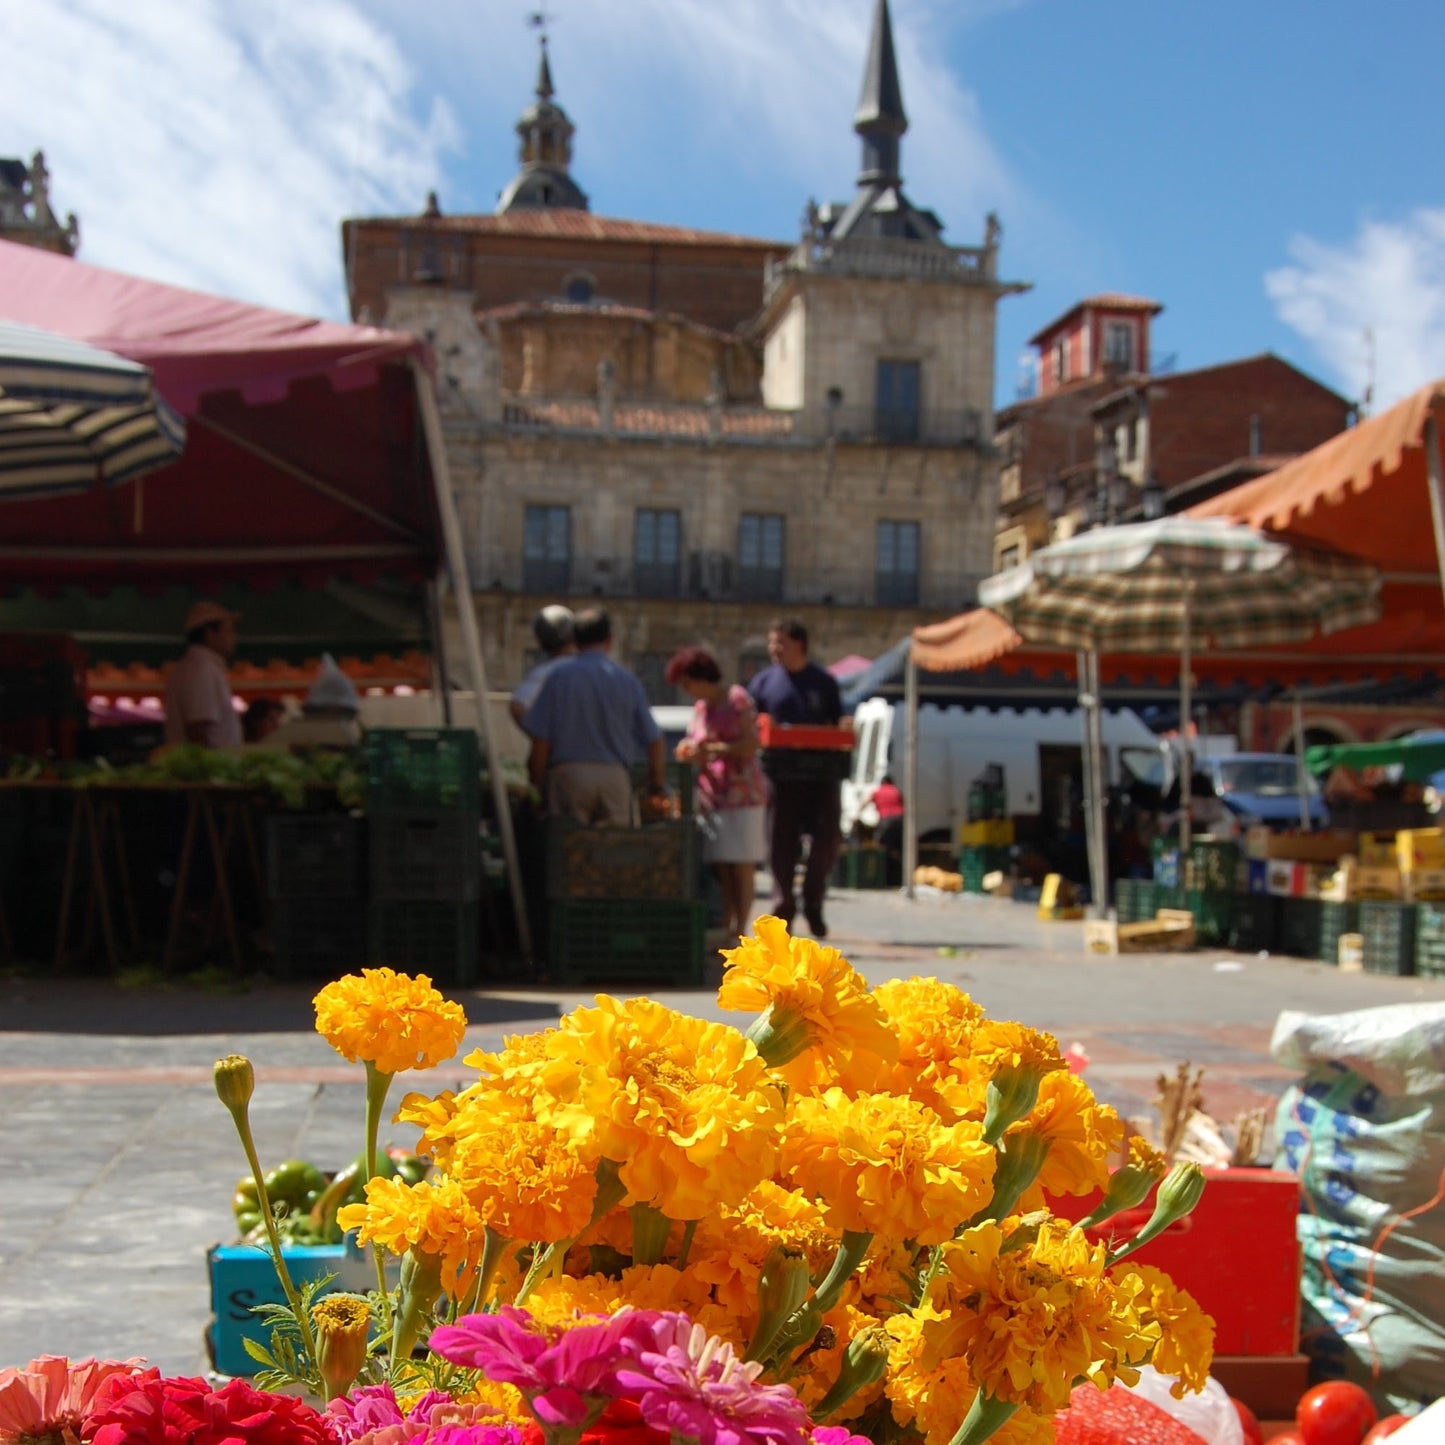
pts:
pixel 343 1323
pixel 1012 1093
pixel 782 1287
pixel 781 1034
pixel 235 1081
pixel 1177 1196
pixel 864 1363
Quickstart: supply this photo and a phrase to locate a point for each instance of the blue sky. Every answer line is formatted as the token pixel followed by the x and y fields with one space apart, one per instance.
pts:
pixel 1269 172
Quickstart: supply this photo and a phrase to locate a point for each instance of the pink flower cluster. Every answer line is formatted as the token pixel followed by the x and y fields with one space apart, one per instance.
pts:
pixel 372 1415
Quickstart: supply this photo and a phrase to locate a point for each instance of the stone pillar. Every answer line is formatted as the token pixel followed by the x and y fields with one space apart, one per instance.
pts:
pixel 606 393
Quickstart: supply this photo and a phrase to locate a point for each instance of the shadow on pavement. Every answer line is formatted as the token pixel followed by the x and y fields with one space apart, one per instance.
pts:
pixel 98 1006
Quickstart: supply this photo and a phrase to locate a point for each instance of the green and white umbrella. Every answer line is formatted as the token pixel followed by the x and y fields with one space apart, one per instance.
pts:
pixel 72 415
pixel 1175 585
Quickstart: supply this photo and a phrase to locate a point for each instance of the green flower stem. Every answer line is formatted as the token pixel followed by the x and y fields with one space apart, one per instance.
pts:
pixel 241 1118
pixel 650 1229
pixel 611 1191
pixel 494 1248
pixel 1020 1157
pixel 688 1231
pixel 851 1251
pixel 377 1084
pixel 985 1416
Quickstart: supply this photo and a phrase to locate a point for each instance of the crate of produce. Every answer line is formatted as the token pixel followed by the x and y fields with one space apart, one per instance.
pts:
pixel 1254 923
pixel 681 780
pixel 1213 912
pixel 1387 930
pixel 864 867
pixel 318 938
pixel 1430 941
pixel 442 940
pixel 658 860
pixel 314 855
pixel 423 770
pixel 808 736
pixel 1134 899
pixel 610 940
pixel 1336 919
pixel 1299 927
pixel 1213 865
pixel 425 856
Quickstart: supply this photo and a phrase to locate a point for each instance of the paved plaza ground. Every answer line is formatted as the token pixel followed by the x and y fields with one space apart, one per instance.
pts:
pixel 119 1162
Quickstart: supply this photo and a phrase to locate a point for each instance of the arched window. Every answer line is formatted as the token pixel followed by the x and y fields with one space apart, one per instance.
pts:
pixel 579 288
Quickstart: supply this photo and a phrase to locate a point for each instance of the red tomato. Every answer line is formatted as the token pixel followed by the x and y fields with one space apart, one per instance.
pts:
pixel 1290 1437
pixel 1335 1413
pixel 1253 1435
pixel 1387 1426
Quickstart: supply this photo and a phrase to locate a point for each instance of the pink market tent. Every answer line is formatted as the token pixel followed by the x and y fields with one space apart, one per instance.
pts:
pixel 314 456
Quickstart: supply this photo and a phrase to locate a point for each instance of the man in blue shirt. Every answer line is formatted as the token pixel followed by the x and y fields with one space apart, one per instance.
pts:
pixel 588 725
pixel 807 787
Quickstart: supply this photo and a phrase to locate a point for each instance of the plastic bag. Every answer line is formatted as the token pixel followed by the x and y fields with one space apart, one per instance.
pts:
pixel 1210 1413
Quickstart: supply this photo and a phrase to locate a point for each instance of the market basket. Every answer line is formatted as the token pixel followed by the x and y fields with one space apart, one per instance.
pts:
pixel 423 770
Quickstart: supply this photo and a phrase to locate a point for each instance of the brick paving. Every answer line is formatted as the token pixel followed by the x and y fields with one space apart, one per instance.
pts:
pixel 120 1163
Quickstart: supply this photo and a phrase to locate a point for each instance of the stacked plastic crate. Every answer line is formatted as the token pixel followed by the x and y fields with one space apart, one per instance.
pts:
pixel 986 839
pixel 315 885
pixel 423 803
pixel 623 904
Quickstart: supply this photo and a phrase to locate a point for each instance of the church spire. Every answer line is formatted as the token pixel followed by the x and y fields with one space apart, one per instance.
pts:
pixel 879 118
pixel 545 152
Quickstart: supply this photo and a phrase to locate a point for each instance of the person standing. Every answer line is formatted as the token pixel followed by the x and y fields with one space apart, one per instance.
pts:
pixel 588 725
pixel 199 707
pixel 806 792
pixel 731 790
pixel 552 627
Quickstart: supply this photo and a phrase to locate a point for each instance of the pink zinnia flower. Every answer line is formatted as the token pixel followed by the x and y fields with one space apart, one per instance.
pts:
pixel 565 1376
pixel 837 1435
pixel 373 1416
pixel 692 1384
pixel 50 1395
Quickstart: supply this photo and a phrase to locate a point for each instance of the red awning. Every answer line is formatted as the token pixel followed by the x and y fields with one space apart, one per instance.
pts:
pixel 305 457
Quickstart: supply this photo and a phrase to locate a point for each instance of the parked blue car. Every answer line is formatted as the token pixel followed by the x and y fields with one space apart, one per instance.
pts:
pixel 1263 788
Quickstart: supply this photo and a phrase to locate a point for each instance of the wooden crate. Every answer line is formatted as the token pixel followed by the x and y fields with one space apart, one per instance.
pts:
pixel 1170 931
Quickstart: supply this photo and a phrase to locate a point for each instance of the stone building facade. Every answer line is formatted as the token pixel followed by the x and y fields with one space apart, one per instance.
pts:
pixel 702 431
pixel 26 215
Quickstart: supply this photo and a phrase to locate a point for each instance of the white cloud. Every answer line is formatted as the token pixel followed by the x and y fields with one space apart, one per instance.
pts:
pixel 1382 292
pixel 218 145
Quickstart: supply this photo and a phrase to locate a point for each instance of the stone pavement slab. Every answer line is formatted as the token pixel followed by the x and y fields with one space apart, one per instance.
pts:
pixel 119 1162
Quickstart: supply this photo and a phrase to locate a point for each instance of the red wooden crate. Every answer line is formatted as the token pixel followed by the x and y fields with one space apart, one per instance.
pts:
pixel 1237 1254
pixel 803 735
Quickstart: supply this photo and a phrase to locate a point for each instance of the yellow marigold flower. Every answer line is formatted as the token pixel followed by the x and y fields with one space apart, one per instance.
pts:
pixel 881 1164
pixel 1081 1132
pixel 523 1181
pixel 516 1065
pixel 560 1299
pixel 494 1402
pixel 434 1218
pixel 818 1021
pixel 389 1019
pixel 935 1023
pixel 1146 1158
pixel 687 1109
pixel 1031 1319
pixel 1186 1334
pixel 435 1115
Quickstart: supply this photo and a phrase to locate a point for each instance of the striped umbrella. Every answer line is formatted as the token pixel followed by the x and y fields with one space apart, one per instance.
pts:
pixel 1173 584
pixel 72 415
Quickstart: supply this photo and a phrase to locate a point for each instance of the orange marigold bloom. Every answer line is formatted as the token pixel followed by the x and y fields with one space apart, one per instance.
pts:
pixel 881 1164
pixel 434 1218
pixel 935 1024
pixel 389 1019
pixel 1082 1135
pixel 1186 1334
pixel 819 1024
pixel 1032 1318
pixel 687 1109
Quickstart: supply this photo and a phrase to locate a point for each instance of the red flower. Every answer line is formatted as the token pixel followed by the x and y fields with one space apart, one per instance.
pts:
pixel 138 1411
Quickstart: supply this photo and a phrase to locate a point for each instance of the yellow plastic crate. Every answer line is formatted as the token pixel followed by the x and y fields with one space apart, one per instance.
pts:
pixel 1420 848
pixel 991 833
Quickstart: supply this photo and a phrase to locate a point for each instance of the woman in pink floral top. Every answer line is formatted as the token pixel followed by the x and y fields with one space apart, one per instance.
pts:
pixel 732 793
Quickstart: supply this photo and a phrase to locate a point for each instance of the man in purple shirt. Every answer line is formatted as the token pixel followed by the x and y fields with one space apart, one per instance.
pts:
pixel 806 787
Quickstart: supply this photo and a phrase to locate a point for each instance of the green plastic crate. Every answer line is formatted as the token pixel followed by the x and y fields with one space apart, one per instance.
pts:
pixel 1387 928
pixel 1212 914
pixel 657 860
pixel 1430 941
pixel 615 940
pixel 1300 921
pixel 1134 899
pixel 442 940
pixel 318 938
pixel 314 855
pixel 1213 863
pixel 1254 923
pixel 976 863
pixel 865 867
pixel 425 856
pixel 1336 919
pixel 423 770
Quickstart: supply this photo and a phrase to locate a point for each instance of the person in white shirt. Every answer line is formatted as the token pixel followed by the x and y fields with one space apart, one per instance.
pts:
pixel 199 707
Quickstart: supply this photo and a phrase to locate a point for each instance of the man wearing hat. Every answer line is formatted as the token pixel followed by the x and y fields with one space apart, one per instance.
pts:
pixel 199 708
pixel 552 627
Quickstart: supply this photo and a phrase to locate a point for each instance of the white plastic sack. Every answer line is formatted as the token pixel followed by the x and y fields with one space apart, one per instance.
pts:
pixel 1365 1131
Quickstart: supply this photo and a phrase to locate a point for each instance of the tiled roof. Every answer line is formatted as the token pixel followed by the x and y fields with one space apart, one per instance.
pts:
pixel 628 417
pixel 1103 301
pixel 576 225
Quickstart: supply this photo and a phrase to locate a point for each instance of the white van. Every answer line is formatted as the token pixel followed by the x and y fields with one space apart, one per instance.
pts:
pixel 1039 751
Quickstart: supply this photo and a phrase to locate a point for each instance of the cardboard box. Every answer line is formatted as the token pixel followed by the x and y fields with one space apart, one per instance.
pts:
pixel 1424 885
pixel 1327 846
pixel 1420 848
pixel 1243 1229
pixel 1377 850
pixel 242 1275
pixel 1377 882
pixel 1172 931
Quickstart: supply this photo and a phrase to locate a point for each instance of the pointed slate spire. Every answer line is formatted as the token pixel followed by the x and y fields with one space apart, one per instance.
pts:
pixel 544 75
pixel 880 118
pixel 546 153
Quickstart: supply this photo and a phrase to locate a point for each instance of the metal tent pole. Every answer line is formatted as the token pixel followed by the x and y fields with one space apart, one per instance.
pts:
pixel 1302 776
pixel 1186 766
pixel 910 771
pixel 1100 774
pixel 1436 481
pixel 471 642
